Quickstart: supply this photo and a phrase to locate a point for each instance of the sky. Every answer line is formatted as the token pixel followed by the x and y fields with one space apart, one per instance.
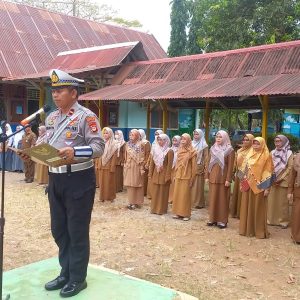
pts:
pixel 153 14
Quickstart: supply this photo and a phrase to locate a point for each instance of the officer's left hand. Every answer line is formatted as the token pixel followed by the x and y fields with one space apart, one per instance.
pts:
pixel 66 153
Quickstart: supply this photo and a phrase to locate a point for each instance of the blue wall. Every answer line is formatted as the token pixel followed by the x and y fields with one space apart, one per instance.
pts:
pixel 291 123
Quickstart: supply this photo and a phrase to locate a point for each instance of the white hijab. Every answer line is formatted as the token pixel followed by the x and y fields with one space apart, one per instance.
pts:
pixel 18 136
pixel 9 132
pixel 199 145
pixel 159 131
pixel 160 152
pixel 120 140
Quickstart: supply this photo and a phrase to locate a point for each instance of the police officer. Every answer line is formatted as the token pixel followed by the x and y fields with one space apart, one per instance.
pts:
pixel 75 131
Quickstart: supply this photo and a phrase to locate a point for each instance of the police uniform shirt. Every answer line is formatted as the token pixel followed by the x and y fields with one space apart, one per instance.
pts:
pixel 81 133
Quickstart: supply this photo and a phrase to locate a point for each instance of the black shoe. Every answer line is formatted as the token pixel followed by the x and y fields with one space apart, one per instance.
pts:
pixel 56 284
pixel 72 289
pixel 222 225
pixel 211 223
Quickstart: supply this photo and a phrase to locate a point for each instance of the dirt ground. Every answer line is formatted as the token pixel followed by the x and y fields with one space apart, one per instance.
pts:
pixel 205 262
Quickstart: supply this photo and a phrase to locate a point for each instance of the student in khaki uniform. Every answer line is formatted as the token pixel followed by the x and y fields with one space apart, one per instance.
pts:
pixel 160 174
pixel 278 203
pixel 219 175
pixel 175 146
pixel 258 167
pixel 107 167
pixel 200 145
pixel 294 195
pixel 121 144
pixel 134 170
pixel 147 147
pixel 239 158
pixel 149 185
pixel 185 173
pixel 75 131
pixel 41 171
pixel 28 141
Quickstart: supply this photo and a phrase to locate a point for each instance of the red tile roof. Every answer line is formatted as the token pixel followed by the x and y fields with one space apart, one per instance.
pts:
pixel 269 69
pixel 30 38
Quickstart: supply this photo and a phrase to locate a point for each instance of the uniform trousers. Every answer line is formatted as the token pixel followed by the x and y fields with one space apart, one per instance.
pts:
pixel 29 169
pixel 71 199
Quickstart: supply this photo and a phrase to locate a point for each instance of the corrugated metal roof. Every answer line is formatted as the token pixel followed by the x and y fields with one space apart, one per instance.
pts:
pixel 274 59
pixel 89 59
pixel 269 69
pixel 196 89
pixel 30 38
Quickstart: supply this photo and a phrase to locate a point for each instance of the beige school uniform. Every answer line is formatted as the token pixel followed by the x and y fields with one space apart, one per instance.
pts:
pixel 107 179
pixel 161 184
pixel 254 205
pixel 184 175
pixel 219 194
pixel 294 188
pixel 119 169
pixel 197 191
pixel 278 204
pixel 147 147
pixel 134 176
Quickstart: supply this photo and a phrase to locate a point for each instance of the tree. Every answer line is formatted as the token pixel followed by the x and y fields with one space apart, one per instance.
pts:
pixel 230 24
pixel 179 23
pixel 85 9
pixel 193 46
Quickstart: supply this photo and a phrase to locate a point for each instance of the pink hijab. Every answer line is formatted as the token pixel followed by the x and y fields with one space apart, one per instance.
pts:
pixel 219 152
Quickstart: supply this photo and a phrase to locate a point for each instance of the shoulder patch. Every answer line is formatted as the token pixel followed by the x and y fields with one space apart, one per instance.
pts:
pixel 91 120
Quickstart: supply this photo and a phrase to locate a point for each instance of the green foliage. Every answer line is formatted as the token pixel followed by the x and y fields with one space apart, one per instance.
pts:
pixel 230 24
pixel 179 22
pixel 229 119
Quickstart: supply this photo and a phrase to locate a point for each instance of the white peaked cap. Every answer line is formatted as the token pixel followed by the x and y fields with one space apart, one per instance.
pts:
pixel 60 78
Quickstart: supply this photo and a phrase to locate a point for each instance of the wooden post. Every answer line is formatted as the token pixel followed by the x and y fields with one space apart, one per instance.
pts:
pixel 265 109
pixel 148 119
pixel 165 116
pixel 101 113
pixel 206 119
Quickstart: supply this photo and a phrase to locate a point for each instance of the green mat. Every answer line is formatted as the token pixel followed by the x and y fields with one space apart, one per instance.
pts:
pixel 28 282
